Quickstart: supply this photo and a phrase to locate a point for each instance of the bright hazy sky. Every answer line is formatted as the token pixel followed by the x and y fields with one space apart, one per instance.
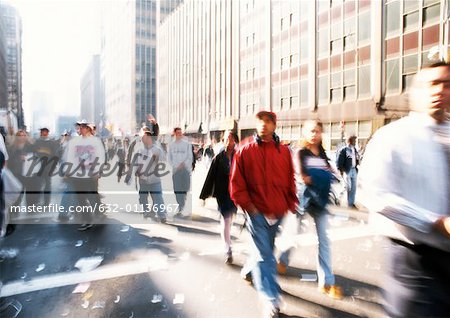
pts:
pixel 59 39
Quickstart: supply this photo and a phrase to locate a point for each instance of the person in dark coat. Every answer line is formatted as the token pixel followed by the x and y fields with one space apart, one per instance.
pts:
pixel 216 185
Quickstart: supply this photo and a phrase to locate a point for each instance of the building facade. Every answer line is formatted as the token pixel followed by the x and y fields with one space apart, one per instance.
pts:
pixel 198 68
pixel 128 61
pixel 12 31
pixel 3 66
pixel 91 93
pixel 348 63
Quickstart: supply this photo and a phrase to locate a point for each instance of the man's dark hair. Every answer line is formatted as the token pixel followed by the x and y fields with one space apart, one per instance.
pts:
pixel 175 129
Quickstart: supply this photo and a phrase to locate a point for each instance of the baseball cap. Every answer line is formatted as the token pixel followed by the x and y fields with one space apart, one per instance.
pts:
pixel 270 114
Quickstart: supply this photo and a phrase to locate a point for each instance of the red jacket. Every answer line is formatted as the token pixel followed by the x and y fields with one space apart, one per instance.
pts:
pixel 263 175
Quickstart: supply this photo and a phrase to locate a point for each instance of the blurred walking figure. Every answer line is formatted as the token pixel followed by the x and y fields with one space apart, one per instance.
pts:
pixel 46 150
pixel 405 178
pixel 120 159
pixel 22 150
pixel 216 185
pixel 85 155
pixel 317 174
pixel 147 156
pixel 180 158
pixel 262 183
pixel 347 162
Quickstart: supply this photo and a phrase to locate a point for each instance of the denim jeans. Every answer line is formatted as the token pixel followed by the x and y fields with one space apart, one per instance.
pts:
pixel 324 268
pixel 262 262
pixel 351 186
pixel 155 191
pixel 181 185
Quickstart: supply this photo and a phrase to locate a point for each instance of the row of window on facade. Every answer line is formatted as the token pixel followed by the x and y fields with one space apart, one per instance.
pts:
pixel 410 18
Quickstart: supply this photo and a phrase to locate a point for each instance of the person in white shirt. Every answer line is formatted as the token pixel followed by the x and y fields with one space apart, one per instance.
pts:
pixel 85 155
pixel 180 158
pixel 405 183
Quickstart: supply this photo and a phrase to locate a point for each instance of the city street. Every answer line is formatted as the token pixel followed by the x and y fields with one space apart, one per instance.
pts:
pixel 140 268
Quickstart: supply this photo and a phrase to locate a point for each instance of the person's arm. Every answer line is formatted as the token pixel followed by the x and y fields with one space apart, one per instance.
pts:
pixel 379 173
pixel 302 154
pixel 238 185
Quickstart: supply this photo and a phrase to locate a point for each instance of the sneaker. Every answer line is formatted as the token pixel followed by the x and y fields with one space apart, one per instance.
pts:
pixel 281 268
pixel 229 257
pixel 332 291
pixel 248 278
pixel 84 227
pixel 163 220
pixel 272 311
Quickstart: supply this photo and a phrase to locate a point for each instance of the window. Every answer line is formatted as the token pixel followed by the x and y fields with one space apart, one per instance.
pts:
pixel 349 42
pixel 323 42
pixel 392 76
pixel 303 48
pixel 407 81
pixel 431 14
pixel 392 17
pixel 336 95
pixel 291 18
pixel 364 81
pixel 303 92
pixel 336 80
pixel 323 89
pixel 364 27
pixel 336 46
pixel 349 93
pixel 349 77
pixel 411 21
pixel 410 5
pixel 322 5
pixel 410 64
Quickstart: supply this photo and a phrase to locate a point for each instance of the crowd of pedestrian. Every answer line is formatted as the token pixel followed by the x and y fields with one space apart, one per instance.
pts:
pixel 404 179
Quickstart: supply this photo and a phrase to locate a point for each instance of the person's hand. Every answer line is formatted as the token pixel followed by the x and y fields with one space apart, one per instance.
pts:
pixel 443 225
pixel 307 180
pixel 252 209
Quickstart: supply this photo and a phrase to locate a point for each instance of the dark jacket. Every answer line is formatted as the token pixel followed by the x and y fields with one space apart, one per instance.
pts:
pixel 315 196
pixel 344 159
pixel 218 178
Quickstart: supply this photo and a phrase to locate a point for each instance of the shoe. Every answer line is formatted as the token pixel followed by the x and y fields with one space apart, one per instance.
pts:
pixel 281 268
pixel 229 257
pixel 248 278
pixel 332 291
pixel 353 207
pixel 163 220
pixel 84 227
pixel 272 311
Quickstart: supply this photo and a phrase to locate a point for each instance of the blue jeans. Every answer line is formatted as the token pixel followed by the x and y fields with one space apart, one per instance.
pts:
pixel 324 268
pixel 262 262
pixel 155 191
pixel 351 186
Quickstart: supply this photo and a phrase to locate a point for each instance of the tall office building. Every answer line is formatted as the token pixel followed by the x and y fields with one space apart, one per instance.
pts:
pixel 198 67
pixel 3 66
pixel 348 63
pixel 12 32
pixel 128 61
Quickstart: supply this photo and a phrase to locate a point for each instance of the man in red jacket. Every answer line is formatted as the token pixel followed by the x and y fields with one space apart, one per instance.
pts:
pixel 262 183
